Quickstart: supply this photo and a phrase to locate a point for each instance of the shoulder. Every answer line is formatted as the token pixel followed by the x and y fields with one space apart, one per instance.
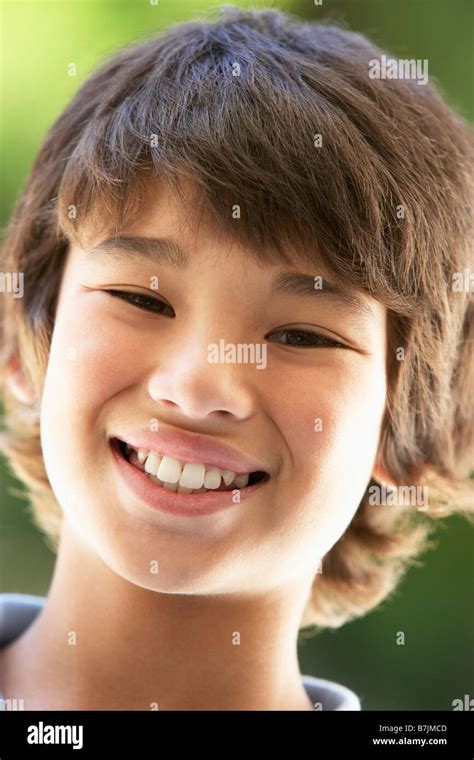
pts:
pixel 17 611
pixel 329 695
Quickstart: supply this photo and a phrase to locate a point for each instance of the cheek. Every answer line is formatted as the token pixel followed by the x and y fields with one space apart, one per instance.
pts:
pixel 92 358
pixel 330 421
pixel 330 409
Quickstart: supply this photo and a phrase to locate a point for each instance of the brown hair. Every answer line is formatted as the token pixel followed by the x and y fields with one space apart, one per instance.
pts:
pixel 235 105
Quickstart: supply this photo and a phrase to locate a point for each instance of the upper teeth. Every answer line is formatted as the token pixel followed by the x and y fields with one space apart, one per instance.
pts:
pixel 188 476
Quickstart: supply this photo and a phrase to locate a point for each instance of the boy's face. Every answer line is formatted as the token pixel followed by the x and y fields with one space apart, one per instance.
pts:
pixel 311 415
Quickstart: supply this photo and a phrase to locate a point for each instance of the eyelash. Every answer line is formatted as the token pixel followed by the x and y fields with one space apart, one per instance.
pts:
pixel 316 340
pixel 312 339
pixel 132 299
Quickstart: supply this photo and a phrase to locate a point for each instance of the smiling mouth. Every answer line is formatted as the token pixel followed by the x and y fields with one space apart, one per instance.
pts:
pixel 153 464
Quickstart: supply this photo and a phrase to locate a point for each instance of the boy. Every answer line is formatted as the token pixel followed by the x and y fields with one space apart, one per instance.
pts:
pixel 229 186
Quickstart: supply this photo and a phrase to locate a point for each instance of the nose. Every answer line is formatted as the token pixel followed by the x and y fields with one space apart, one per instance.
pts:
pixel 184 380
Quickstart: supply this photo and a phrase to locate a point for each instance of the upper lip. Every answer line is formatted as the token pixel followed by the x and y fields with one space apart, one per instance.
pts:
pixel 192 447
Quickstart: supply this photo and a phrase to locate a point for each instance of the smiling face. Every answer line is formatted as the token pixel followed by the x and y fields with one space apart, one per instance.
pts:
pixel 312 415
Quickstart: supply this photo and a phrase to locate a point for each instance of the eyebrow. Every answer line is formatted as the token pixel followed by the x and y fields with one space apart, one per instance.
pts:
pixel 158 250
pixel 169 252
pixel 297 284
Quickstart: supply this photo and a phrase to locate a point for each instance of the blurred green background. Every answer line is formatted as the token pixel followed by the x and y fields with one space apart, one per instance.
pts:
pixel 433 605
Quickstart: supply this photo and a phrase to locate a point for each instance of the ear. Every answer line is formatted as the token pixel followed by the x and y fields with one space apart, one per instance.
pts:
pixel 381 475
pixel 17 382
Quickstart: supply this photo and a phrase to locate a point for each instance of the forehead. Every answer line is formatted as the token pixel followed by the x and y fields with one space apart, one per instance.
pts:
pixel 173 229
pixel 188 220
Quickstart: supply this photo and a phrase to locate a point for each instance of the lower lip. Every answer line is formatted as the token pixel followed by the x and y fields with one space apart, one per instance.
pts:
pixel 183 505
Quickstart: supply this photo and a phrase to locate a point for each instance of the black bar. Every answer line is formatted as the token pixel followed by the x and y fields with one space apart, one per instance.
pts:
pixel 133 734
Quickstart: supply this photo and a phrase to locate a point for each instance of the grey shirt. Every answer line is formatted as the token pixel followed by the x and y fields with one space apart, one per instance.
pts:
pixel 17 611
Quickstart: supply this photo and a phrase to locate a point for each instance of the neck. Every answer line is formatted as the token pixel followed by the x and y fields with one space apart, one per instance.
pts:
pixel 101 642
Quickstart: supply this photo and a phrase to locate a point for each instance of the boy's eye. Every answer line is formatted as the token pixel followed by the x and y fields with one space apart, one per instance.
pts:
pixel 306 339
pixel 141 301
pixel 295 338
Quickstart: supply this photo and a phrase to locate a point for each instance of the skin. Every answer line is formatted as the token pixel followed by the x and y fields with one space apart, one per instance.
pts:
pixel 168 639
